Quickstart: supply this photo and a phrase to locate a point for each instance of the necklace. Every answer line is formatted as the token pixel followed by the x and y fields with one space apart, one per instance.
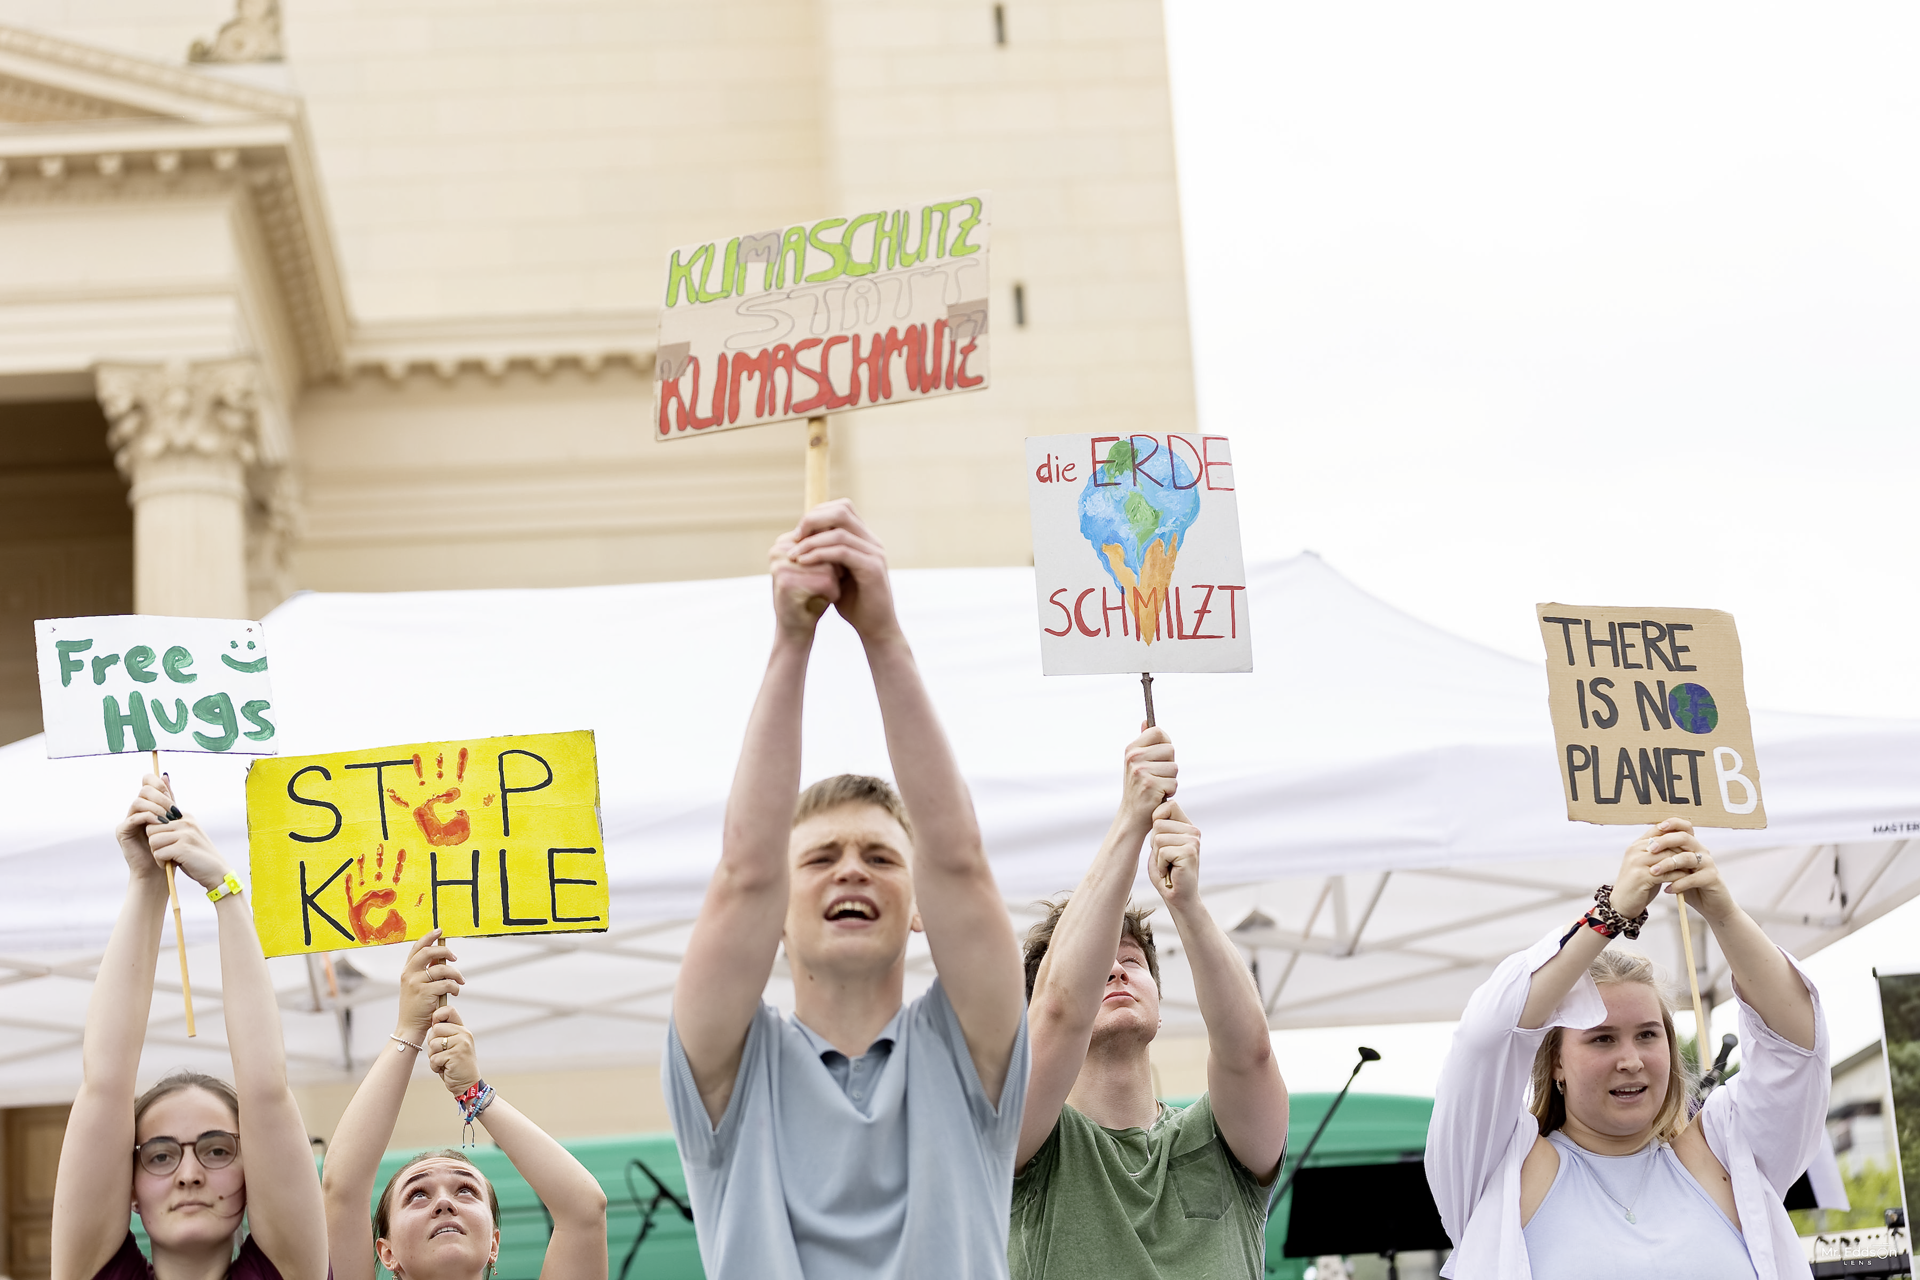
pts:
pixel 1653 1156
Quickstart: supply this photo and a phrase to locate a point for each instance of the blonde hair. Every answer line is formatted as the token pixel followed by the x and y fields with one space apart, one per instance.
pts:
pixel 1549 1105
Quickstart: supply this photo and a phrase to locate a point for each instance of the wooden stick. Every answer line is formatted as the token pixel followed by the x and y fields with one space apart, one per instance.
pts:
pixel 816 462
pixel 179 937
pixel 1146 689
pixel 1693 985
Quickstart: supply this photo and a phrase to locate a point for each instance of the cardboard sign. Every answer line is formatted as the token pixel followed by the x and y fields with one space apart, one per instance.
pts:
pixel 1650 714
pixel 362 848
pixel 1136 554
pixel 882 307
pixel 138 682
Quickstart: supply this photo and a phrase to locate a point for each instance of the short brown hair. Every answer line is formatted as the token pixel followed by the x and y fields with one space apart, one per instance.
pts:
pixel 181 1080
pixel 852 788
pixel 383 1207
pixel 1549 1105
pixel 1133 924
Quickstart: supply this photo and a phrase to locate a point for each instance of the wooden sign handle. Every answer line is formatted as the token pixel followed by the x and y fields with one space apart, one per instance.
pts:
pixel 1693 985
pixel 816 462
pixel 179 938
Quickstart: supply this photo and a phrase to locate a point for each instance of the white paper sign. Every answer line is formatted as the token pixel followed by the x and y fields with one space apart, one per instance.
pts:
pixel 881 307
pixel 1136 554
pixel 137 682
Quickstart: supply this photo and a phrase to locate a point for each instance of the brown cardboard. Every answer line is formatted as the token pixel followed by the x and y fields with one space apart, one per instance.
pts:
pixel 1622 709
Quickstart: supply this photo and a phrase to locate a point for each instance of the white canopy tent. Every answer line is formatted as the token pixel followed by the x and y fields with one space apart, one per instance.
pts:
pixel 1379 802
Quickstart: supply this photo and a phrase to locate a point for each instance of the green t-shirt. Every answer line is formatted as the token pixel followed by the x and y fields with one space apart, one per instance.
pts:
pixel 1137 1204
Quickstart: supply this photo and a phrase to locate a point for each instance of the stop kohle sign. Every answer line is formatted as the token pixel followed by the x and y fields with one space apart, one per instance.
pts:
pixel 1650 716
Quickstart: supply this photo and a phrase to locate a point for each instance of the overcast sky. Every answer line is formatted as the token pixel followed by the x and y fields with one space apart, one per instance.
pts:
pixel 1505 303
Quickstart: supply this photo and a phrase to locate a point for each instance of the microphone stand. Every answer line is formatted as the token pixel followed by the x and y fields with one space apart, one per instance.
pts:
pixel 661 1192
pixel 1366 1055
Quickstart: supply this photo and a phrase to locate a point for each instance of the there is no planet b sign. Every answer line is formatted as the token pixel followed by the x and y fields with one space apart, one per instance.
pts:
pixel 1650 716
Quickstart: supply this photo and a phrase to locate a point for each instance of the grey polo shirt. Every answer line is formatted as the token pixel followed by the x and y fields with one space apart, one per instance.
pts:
pixel 890 1165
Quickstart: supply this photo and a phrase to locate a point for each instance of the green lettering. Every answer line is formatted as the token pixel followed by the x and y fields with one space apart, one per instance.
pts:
pixel 139 658
pixel 68 664
pixel 255 712
pixel 175 663
pixel 908 257
pixel 856 268
pixel 960 247
pixel 217 710
pixel 100 665
pixel 179 719
pixel 680 277
pixel 838 252
pixel 135 719
pixel 793 247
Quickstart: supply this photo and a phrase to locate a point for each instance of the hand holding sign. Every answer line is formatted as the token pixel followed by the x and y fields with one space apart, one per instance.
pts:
pixel 428 980
pixel 1176 856
pixel 451 1051
pixel 832 535
pixel 148 812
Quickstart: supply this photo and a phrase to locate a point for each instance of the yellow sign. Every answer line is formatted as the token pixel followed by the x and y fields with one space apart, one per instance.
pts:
pixel 362 848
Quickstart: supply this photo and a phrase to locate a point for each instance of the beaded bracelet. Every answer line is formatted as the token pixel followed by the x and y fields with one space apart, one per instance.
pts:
pixel 472 1100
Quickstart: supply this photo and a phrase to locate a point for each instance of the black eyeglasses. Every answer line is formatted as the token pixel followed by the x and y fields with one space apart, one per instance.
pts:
pixel 214 1149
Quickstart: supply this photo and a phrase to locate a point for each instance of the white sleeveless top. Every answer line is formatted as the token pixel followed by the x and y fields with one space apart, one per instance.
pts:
pixel 1675 1228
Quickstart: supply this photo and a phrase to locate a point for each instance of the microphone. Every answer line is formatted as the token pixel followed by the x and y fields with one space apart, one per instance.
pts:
pixel 1366 1055
pixel 686 1210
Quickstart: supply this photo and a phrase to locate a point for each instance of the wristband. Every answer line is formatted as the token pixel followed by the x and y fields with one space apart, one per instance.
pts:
pixel 229 886
pixel 472 1100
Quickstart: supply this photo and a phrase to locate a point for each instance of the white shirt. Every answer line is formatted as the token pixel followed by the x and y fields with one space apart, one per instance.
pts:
pixel 1764 1125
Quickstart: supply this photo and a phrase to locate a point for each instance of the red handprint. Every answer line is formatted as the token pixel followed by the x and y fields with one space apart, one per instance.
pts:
pixel 391 927
pixel 436 830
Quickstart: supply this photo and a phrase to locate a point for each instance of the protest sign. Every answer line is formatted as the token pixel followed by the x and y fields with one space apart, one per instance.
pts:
pixel 138 682
pixel 1136 554
pixel 362 848
pixel 1650 716
pixel 882 307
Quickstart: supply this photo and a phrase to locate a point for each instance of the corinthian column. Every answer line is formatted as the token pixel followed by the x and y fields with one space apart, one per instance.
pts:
pixel 185 436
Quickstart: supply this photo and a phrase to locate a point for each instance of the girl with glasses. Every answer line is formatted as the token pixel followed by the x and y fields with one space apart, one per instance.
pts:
pixel 438 1218
pixel 200 1156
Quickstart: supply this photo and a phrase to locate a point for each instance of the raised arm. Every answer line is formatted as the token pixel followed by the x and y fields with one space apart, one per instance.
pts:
pixel 284 1209
pixel 1073 975
pixel 968 929
pixel 353 1157
pixel 730 953
pixel 577 1248
pixel 1633 888
pixel 1767 981
pixel 96 1158
pixel 1243 1078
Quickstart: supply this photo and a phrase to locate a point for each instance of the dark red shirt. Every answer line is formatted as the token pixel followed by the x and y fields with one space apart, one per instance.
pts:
pixel 130 1264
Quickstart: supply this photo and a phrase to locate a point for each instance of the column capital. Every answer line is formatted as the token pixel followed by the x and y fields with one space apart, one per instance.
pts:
pixel 181 409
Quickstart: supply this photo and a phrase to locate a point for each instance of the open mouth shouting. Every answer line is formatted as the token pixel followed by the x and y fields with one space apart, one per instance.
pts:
pixel 852 909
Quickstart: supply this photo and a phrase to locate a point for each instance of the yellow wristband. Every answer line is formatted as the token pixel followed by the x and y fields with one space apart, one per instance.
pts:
pixel 220 891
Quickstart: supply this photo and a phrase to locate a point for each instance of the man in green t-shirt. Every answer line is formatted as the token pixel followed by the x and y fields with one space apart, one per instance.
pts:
pixel 1109 1182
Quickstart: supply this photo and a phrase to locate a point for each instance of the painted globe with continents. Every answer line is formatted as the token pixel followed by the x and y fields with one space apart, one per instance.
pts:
pixel 1692 708
pixel 1135 511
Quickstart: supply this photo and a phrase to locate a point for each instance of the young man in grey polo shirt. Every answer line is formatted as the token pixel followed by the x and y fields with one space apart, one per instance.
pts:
pixel 861 1137
pixel 1113 1184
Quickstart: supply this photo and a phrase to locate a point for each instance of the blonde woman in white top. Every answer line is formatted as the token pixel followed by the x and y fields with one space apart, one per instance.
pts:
pixel 1563 1105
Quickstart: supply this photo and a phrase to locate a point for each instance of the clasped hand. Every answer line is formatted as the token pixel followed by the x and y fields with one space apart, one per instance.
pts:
pixel 151 839
pixel 832 558
pixel 1670 855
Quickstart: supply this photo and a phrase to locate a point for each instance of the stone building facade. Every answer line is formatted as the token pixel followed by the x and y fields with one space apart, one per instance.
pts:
pixel 346 295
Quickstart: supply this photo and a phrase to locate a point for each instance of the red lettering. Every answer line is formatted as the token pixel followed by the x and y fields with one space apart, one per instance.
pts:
pixel 1201 616
pixel 1139 461
pixel 761 367
pixel 1207 465
pixel 1199 468
pixel 1094 447
pixel 1150 605
pixel 782 359
pixel 1054 600
pixel 1066 472
pixel 835 400
pixel 936 349
pixel 819 376
pixel 1079 621
pixel 1233 612
pixel 950 350
pixel 872 362
pixel 960 378
pixel 670 394
pixel 1107 611
pixel 896 345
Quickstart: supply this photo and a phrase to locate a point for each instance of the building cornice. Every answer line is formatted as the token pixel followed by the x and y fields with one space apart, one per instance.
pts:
pixel 151 87
pixel 495 344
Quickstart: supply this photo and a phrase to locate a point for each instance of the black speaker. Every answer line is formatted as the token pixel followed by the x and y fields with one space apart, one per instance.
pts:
pixel 1363 1208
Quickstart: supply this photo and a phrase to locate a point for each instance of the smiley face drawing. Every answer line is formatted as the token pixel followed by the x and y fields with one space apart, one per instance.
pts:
pixel 252 665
